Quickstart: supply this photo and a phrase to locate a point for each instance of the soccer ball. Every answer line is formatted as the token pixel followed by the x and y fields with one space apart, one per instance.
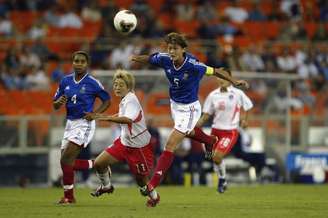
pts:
pixel 125 22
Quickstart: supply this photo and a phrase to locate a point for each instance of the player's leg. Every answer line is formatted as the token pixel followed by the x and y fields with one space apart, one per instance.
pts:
pixel 227 140
pixel 103 172
pixel 68 156
pixel 220 169
pixel 141 161
pixel 85 164
pixel 165 160
pixel 209 140
pixel 109 156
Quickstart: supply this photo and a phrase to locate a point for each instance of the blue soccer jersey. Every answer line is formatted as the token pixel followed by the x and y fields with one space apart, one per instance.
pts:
pixel 80 95
pixel 184 81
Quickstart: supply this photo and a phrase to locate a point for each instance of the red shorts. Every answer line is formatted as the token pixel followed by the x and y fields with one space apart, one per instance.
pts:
pixel 140 160
pixel 227 139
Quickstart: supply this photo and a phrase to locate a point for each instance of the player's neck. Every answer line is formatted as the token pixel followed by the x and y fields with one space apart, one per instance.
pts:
pixel 78 77
pixel 224 89
pixel 178 63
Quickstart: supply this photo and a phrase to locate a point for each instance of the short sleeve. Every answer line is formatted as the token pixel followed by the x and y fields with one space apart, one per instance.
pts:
pixel 208 107
pixel 60 90
pixel 101 92
pixel 203 69
pixel 157 59
pixel 246 102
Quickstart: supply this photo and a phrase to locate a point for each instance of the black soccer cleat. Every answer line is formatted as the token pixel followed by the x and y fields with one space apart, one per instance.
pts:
pixel 102 190
pixel 222 186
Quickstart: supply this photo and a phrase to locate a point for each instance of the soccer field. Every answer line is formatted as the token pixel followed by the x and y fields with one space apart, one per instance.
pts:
pixel 239 201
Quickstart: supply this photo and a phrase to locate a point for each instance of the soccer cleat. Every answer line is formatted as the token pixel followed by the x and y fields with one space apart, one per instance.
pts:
pixel 153 202
pixel 66 201
pixel 222 186
pixel 209 148
pixel 145 190
pixel 102 190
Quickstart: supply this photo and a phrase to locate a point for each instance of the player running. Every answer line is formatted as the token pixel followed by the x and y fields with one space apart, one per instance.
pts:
pixel 225 104
pixel 184 73
pixel 133 145
pixel 77 92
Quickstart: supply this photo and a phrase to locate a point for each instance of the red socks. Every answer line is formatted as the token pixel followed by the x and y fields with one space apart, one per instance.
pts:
pixel 68 180
pixel 202 137
pixel 83 164
pixel 163 164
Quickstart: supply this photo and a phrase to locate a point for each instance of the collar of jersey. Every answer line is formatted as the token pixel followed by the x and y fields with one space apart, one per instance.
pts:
pixel 185 60
pixel 77 82
pixel 229 88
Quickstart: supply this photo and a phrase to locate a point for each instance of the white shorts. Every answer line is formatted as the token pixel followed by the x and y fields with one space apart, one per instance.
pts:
pixel 79 132
pixel 185 116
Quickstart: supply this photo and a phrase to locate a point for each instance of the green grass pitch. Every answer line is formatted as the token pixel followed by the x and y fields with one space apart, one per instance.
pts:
pixel 239 201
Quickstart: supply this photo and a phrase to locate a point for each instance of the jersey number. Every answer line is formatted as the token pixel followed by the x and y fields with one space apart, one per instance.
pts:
pixel 73 99
pixel 225 142
pixel 141 168
pixel 176 81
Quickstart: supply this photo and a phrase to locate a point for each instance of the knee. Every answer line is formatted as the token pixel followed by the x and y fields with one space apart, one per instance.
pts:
pixel 65 159
pixel 99 166
pixel 217 159
pixel 170 146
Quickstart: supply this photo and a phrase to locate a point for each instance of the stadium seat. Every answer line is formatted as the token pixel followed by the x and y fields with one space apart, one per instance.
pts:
pixel 187 27
pixel 23 20
pixel 158 103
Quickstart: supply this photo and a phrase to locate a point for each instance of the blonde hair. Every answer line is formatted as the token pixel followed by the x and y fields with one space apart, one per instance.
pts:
pixel 127 77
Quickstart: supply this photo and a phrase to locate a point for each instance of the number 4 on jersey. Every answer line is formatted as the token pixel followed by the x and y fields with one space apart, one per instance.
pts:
pixel 73 99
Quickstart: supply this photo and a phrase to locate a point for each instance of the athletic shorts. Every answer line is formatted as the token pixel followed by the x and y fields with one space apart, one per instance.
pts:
pixel 185 116
pixel 140 160
pixel 227 139
pixel 78 131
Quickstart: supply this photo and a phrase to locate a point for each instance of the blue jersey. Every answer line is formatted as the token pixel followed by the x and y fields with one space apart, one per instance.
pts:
pixel 184 81
pixel 80 95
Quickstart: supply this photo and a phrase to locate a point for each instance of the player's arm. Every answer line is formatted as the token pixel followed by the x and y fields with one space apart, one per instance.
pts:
pixel 142 59
pixel 59 102
pixel 244 119
pixel 103 107
pixel 223 74
pixel 114 118
pixel 203 119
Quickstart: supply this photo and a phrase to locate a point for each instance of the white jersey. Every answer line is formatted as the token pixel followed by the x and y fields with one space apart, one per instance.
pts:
pixel 134 135
pixel 225 106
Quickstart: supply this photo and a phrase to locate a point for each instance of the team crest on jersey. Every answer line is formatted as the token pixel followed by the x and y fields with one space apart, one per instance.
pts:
pixel 185 76
pixel 230 97
pixel 67 88
pixel 82 90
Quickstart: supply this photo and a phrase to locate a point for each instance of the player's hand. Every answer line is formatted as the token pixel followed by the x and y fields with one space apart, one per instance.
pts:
pixel 242 84
pixel 61 100
pixel 243 123
pixel 91 116
pixel 133 58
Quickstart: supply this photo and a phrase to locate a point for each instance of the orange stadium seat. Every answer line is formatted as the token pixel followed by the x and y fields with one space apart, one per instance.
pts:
pixel 23 20
pixel 166 20
pixel 187 27
pixel 158 103
pixel 155 5
pixel 310 28
pixel 123 4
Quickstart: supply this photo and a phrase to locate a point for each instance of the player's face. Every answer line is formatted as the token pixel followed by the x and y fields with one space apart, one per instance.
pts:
pixel 223 83
pixel 120 88
pixel 176 52
pixel 80 64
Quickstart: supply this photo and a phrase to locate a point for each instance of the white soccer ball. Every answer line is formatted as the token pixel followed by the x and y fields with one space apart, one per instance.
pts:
pixel 125 21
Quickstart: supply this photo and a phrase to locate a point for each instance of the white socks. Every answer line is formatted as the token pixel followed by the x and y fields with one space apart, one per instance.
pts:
pixel 104 178
pixel 220 170
pixel 153 194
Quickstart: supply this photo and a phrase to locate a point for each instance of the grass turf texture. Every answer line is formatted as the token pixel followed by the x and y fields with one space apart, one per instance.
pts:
pixel 239 201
